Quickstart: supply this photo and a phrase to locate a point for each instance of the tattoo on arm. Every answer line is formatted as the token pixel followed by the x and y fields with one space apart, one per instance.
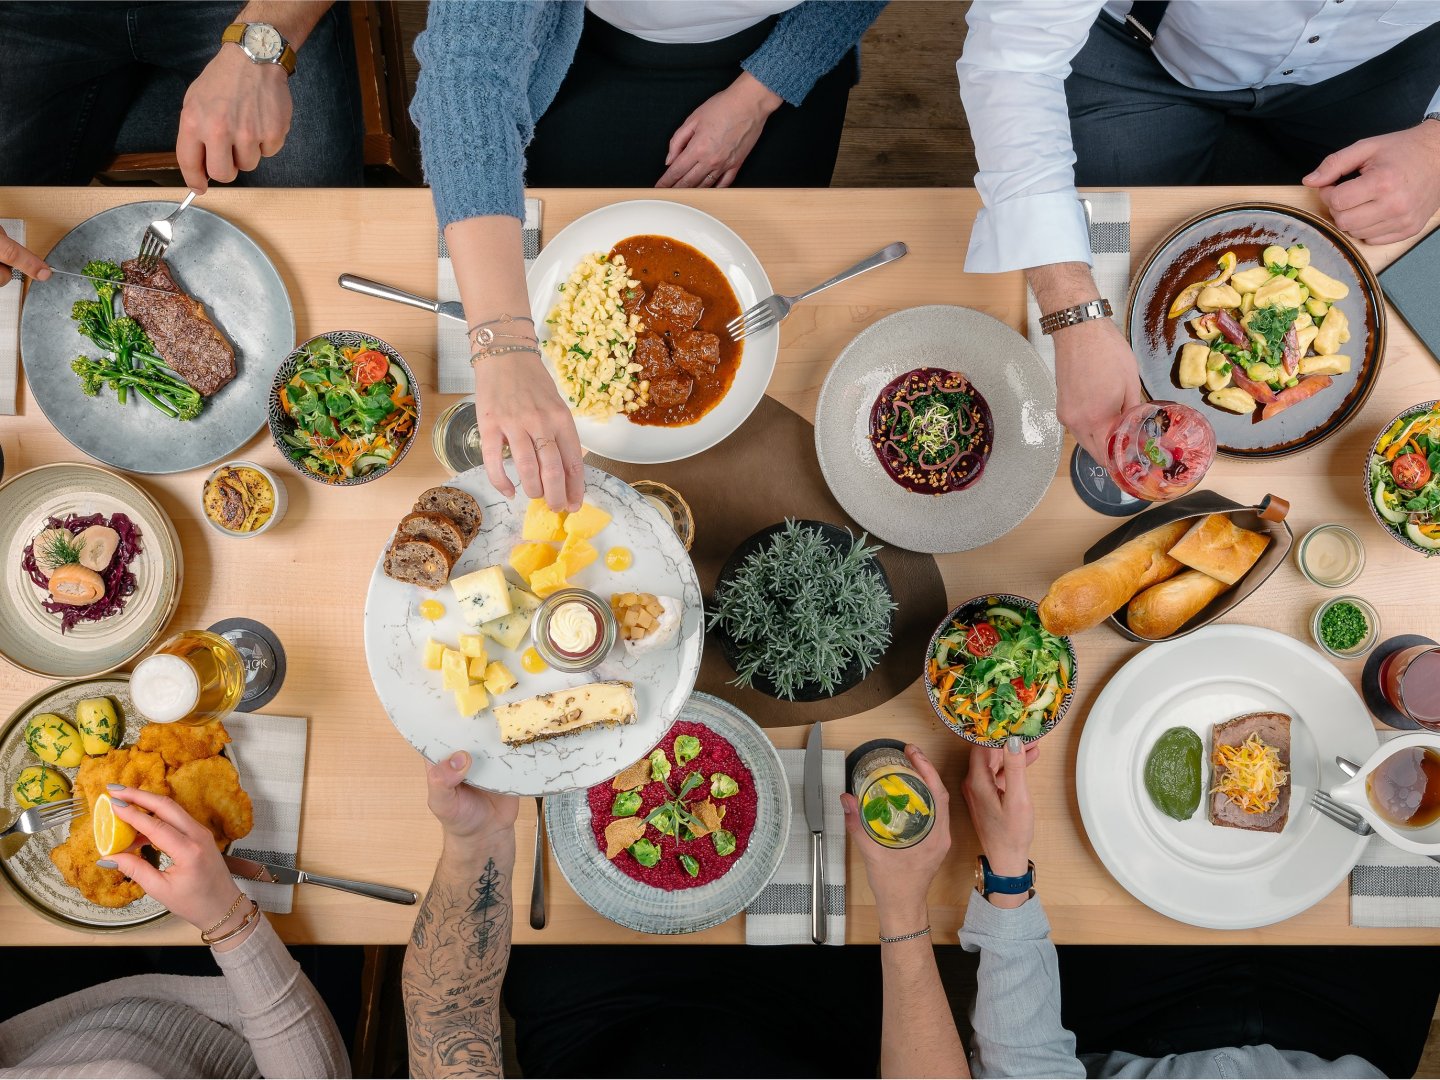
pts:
pixel 452 975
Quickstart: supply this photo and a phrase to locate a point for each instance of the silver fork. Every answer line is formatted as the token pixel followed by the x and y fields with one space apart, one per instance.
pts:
pixel 159 235
pixel 45 816
pixel 1339 813
pixel 774 309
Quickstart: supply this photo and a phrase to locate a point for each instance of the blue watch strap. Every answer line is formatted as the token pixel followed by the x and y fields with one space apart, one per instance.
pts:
pixel 1005 886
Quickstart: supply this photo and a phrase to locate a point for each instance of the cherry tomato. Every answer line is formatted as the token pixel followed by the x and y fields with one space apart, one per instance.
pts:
pixel 982 639
pixel 370 367
pixel 1026 694
pixel 1411 471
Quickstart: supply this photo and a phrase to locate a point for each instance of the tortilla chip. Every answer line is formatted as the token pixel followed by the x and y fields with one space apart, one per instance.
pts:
pixel 709 814
pixel 635 776
pixel 621 833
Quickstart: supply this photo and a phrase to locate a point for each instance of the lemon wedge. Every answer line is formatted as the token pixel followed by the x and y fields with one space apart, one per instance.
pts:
pixel 896 785
pixel 112 835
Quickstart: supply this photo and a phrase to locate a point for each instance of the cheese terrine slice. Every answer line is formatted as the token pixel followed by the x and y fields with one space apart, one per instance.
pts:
pixel 564 712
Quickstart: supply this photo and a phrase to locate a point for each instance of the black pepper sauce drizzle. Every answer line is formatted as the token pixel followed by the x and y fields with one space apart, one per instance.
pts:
pixel 653 259
pixel 932 431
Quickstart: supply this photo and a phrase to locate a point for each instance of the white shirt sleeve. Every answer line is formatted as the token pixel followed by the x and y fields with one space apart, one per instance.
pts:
pixel 1012 83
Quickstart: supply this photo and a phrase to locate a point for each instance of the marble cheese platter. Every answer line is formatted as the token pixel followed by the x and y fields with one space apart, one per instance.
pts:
pixel 397 634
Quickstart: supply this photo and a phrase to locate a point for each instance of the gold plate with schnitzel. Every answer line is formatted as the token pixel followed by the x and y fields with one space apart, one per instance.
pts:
pixel 31 871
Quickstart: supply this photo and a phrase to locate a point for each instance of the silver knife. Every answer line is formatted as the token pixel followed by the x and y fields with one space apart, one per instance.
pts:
pixel 117 284
pixel 815 819
pixel 451 309
pixel 251 870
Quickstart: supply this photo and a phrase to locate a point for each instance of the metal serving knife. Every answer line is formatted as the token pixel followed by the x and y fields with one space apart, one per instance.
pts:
pixel 251 870
pixel 451 309
pixel 117 284
pixel 815 819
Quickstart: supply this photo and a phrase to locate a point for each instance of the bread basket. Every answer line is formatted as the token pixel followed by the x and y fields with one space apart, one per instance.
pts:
pixel 1267 516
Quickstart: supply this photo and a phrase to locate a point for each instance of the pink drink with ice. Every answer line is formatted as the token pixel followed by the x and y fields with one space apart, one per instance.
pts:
pixel 1160 450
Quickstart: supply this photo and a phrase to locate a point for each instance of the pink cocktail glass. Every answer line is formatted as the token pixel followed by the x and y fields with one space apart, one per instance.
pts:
pixel 1160 450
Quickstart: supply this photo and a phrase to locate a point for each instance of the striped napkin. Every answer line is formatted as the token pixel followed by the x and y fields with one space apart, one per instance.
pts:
pixel 455 375
pixel 780 915
pixel 269 754
pixel 10 326
pixel 1109 219
pixel 1390 887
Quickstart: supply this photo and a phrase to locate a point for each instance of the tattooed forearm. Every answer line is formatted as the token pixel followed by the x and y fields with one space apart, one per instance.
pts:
pixel 453 971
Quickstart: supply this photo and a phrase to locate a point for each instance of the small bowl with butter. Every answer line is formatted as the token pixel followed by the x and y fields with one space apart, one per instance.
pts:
pixel 1330 556
pixel 243 499
pixel 574 630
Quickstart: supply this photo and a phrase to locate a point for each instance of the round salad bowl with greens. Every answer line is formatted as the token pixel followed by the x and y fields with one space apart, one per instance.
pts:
pixel 1402 478
pixel 992 671
pixel 344 408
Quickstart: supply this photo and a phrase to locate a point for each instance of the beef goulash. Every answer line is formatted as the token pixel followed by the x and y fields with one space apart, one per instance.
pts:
pixel 189 343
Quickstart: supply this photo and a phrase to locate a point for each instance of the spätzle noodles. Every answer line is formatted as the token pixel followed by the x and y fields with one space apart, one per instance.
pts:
pixel 591 340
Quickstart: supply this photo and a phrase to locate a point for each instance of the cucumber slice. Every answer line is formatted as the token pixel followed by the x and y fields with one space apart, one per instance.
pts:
pixel 1045 700
pixel 402 384
pixel 1064 659
pixel 1413 532
pixel 366 462
pixel 1031 726
pixel 1009 614
pixel 1382 506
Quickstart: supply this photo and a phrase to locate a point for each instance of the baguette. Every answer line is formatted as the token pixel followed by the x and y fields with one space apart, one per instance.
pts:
pixel 1162 609
pixel 1220 548
pixel 1086 596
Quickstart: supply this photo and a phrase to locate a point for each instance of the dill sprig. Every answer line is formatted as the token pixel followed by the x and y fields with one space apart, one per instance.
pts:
pixel 60 549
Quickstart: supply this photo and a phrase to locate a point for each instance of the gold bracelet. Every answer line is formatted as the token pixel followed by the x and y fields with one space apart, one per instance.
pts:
pixel 239 896
pixel 251 916
pixel 482 333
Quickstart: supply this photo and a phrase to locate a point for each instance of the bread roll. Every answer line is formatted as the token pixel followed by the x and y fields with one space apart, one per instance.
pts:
pixel 1164 608
pixel 1085 597
pixel 1220 548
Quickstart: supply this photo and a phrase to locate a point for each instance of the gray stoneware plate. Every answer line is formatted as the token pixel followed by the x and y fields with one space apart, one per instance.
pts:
pixel 218 265
pixel 637 906
pixel 1014 382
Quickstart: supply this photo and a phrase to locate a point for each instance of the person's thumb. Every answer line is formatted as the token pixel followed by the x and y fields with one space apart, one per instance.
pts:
pixel 1014 766
pixel 1340 163
pixel 445 776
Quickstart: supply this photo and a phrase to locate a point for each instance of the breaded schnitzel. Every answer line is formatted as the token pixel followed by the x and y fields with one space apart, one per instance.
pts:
pixel 210 792
pixel 180 744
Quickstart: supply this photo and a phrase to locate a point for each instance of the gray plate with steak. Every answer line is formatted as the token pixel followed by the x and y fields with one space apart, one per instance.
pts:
pixel 228 325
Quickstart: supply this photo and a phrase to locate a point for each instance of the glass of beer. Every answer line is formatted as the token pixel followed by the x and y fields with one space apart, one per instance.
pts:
pixel 193 678
pixel 1410 681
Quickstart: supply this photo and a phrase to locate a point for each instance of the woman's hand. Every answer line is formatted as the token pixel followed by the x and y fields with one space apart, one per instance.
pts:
pixel 716 138
pixel 998 796
pixel 197 886
pixel 22 259
pixel 900 878
pixel 516 403
pixel 467 813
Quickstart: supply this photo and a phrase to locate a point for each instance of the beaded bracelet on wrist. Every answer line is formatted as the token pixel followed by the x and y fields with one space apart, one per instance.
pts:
pixel 904 937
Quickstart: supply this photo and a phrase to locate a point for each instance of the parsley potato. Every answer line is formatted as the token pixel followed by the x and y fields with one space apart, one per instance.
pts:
pixel 54 740
pixel 99 726
pixel 40 784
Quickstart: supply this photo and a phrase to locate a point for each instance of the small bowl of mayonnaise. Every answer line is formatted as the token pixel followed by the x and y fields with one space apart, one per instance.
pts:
pixel 1330 556
pixel 574 630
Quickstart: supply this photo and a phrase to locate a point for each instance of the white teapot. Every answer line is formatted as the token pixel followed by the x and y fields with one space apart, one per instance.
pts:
pixel 1424 840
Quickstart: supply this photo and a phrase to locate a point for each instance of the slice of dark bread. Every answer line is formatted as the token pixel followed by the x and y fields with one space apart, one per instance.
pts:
pixel 437 528
pixel 455 504
pixel 1274 730
pixel 417 562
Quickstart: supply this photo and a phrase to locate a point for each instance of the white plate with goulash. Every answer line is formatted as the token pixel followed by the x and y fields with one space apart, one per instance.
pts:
pixel 555 648
pixel 630 304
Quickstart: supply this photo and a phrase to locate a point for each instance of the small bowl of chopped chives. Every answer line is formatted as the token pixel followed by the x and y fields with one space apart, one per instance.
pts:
pixel 1346 627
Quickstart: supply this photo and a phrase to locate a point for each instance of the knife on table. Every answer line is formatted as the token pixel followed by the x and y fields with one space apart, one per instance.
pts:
pixel 250 870
pixel 451 309
pixel 815 819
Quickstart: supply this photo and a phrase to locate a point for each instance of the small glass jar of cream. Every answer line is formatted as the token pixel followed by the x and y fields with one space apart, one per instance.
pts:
pixel 1330 556
pixel 574 630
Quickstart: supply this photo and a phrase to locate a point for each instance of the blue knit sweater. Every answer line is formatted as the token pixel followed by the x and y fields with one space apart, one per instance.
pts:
pixel 488 69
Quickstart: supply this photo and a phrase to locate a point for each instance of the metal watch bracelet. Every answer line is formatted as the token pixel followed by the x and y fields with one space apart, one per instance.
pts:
pixel 1073 316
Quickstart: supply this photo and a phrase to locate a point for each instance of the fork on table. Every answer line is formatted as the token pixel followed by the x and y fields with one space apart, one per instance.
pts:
pixel 1339 813
pixel 159 235
pixel 45 816
pixel 774 309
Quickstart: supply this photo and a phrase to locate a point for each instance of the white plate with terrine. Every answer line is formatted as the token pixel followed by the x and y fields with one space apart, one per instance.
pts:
pixel 396 636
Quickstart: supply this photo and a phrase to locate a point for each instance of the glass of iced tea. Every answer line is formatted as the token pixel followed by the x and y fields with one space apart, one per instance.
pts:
pixel 1160 450
pixel 1410 681
pixel 896 806
pixel 192 678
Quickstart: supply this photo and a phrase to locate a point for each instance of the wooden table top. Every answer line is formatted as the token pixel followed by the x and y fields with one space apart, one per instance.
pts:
pixel 364 806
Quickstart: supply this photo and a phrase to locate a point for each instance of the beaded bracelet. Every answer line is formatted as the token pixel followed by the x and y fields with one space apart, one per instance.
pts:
pixel 239 896
pixel 904 937
pixel 251 916
pixel 501 350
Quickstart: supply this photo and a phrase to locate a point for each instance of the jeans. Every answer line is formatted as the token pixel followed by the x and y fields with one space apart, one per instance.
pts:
pixel 1133 124
pixel 80 82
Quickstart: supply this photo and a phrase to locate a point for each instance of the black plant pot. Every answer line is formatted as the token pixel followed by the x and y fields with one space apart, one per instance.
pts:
pixel 839 539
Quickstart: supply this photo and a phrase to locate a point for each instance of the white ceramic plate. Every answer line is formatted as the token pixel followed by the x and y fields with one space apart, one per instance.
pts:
pixel 1192 871
pixel 600 230
pixel 1014 382
pixel 425 713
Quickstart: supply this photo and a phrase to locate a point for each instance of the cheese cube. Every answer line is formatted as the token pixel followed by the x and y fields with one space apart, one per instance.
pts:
pixel 511 630
pixel 473 644
pixel 433 651
pixel 477 668
pixel 548 579
pixel 586 522
pixel 453 673
pixel 471 700
pixel 529 557
pixel 575 555
pixel 542 523
pixel 498 678
pixel 484 595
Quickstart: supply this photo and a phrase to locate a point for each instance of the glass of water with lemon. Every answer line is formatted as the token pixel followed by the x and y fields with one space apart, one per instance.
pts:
pixel 896 806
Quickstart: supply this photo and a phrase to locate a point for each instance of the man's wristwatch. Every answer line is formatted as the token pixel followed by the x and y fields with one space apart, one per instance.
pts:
pixel 1430 116
pixel 987 882
pixel 262 43
pixel 1071 316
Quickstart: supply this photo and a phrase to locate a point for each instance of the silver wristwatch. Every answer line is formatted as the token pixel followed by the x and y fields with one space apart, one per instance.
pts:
pixel 1430 116
pixel 1071 316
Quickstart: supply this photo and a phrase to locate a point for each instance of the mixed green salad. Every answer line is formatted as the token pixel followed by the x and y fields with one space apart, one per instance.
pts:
pixel 1405 478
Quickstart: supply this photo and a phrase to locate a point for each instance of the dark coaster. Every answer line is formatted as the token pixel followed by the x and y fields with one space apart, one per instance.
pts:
pixel 264 658
pixel 852 759
pixel 1375 701
pixel 1096 490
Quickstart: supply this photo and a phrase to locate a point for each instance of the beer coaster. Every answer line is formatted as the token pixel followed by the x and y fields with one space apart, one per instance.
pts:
pixel 852 759
pixel 264 659
pixel 1375 701
pixel 1096 490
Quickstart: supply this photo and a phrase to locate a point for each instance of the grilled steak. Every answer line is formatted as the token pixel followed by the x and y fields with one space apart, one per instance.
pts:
pixel 185 338
pixel 1274 730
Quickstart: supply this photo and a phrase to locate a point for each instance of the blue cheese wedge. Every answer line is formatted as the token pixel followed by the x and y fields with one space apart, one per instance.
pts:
pixel 565 712
pixel 484 595
pixel 510 630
